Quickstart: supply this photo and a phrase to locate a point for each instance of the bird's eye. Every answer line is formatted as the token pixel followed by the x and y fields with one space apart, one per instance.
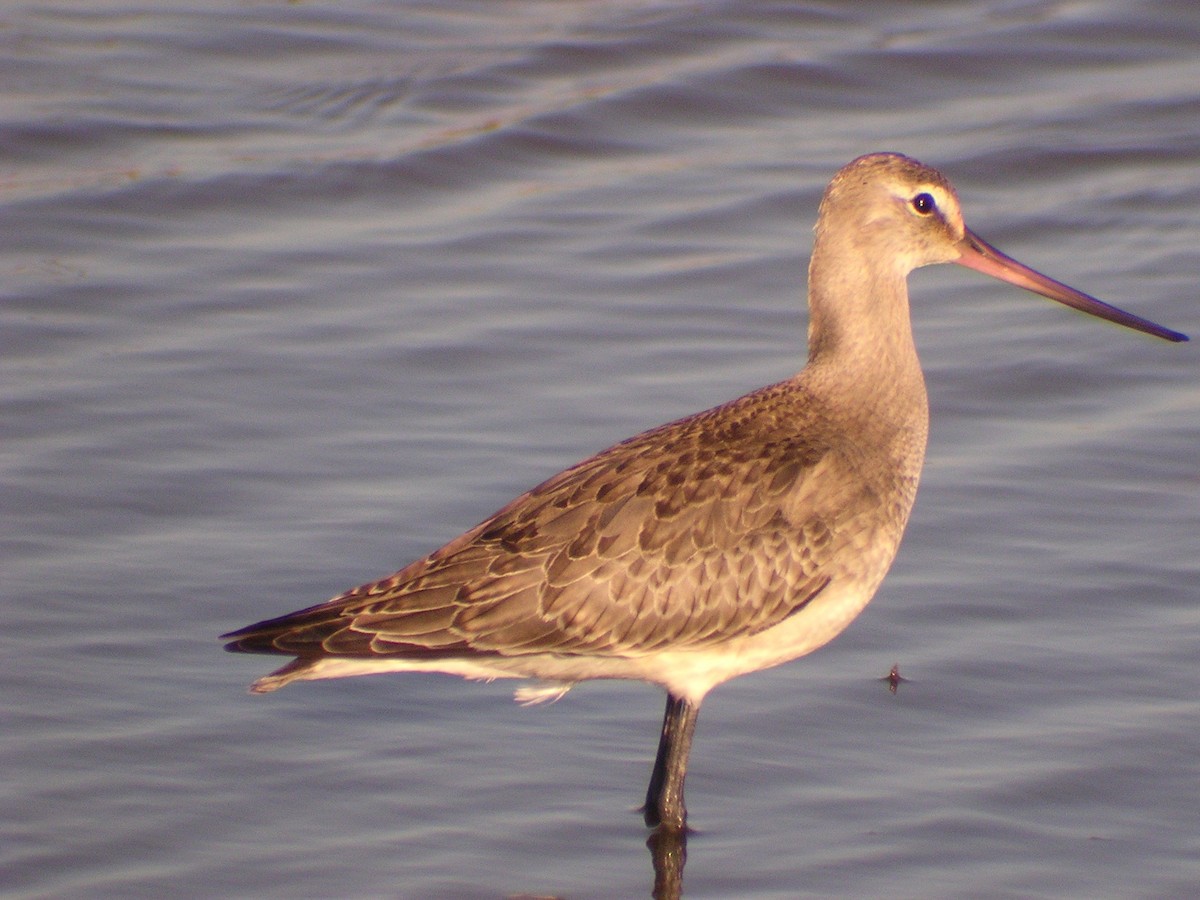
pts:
pixel 924 204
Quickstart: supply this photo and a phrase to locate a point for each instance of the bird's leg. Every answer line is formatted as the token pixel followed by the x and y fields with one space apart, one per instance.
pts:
pixel 664 798
pixel 668 852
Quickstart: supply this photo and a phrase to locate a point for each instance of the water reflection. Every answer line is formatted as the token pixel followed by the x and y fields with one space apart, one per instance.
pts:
pixel 668 851
pixel 893 679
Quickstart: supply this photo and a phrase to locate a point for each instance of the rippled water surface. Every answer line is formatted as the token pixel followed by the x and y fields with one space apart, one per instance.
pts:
pixel 293 293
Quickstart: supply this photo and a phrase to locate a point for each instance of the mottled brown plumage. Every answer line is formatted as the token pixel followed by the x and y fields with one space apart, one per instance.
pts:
pixel 720 544
pixel 684 536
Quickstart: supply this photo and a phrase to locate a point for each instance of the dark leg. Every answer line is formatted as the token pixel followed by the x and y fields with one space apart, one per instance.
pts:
pixel 664 798
pixel 668 852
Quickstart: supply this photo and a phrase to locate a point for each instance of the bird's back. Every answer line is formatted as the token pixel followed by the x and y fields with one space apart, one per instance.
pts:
pixel 704 531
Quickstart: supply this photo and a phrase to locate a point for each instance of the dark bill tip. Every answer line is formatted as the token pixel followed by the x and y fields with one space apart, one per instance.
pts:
pixel 981 256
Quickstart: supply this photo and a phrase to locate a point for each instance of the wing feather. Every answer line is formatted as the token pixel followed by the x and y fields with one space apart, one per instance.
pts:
pixel 683 536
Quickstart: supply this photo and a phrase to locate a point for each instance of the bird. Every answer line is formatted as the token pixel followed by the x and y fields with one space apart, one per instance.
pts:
pixel 717 545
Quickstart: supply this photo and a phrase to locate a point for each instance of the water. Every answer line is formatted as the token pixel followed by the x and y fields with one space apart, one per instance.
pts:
pixel 293 293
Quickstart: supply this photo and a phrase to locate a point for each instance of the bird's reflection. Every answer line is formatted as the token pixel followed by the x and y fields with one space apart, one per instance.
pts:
pixel 668 851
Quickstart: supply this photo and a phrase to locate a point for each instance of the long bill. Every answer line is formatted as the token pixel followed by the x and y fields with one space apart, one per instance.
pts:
pixel 981 256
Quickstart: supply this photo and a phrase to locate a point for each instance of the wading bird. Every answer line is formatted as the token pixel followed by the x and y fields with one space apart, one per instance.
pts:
pixel 729 541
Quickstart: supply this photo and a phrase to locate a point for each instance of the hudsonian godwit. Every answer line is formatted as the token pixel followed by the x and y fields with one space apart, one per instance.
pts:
pixel 729 541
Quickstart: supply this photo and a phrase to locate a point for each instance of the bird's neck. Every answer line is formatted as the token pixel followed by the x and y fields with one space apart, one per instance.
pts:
pixel 860 337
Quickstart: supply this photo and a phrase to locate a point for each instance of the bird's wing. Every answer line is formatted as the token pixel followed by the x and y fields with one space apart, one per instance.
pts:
pixel 695 532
